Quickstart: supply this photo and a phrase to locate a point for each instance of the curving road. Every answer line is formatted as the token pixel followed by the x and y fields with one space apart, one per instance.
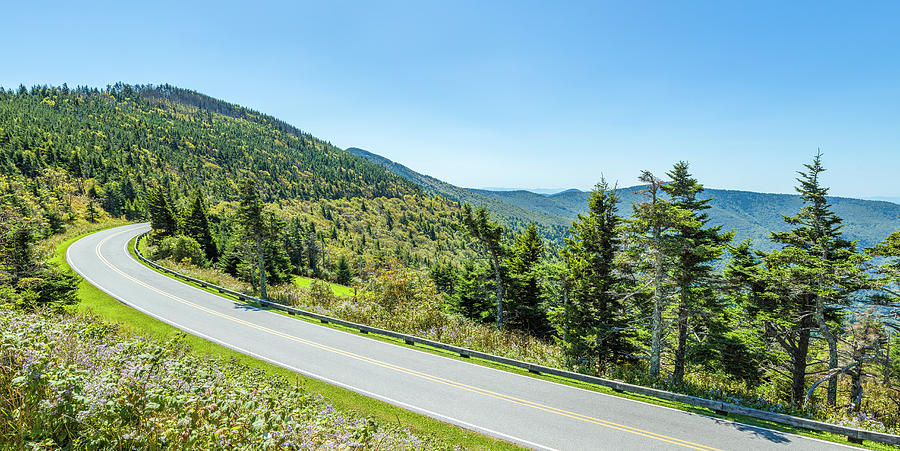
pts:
pixel 532 412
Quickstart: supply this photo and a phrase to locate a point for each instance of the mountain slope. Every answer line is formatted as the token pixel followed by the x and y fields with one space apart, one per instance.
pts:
pixel 129 134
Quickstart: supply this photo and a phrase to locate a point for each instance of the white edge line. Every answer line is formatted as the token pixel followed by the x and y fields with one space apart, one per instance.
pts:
pixel 413 408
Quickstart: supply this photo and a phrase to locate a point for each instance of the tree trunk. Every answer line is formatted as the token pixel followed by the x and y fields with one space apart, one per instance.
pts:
pixel 856 389
pixel 832 350
pixel 262 269
pixel 678 373
pixel 499 288
pixel 656 322
pixel 798 363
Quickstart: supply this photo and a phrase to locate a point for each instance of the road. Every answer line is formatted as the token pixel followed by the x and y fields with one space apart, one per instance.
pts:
pixel 532 412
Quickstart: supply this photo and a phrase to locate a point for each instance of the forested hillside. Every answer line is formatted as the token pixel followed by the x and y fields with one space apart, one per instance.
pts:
pixel 130 135
pixel 67 153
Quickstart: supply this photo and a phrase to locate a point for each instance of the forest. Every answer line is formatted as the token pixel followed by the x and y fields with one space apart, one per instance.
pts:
pixel 656 295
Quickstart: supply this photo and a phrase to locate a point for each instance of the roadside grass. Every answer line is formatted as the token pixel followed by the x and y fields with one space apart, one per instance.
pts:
pixel 96 302
pixel 562 380
pixel 338 290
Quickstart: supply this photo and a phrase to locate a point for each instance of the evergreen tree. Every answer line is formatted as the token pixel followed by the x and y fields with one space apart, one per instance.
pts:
pixel 162 218
pixel 472 291
pixel 443 275
pixel 196 226
pixel 807 279
pixel 342 272
pixel 698 248
pixel 489 234
pixel 593 322
pixel 254 224
pixel 525 296
pixel 652 249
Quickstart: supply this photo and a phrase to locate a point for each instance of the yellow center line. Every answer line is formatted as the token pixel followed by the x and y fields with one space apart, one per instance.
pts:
pixel 408 371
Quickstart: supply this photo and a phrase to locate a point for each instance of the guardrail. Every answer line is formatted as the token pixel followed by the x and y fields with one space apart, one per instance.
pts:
pixel 853 435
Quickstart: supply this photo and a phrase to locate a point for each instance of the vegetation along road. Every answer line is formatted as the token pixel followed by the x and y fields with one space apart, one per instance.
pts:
pixel 529 411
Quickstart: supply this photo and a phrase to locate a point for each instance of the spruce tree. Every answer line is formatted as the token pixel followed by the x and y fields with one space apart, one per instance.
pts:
pixel 652 250
pixel 196 226
pixel 342 272
pixel 488 234
pixel 162 218
pixel 811 275
pixel 698 248
pixel 525 295
pixel 251 216
pixel 594 323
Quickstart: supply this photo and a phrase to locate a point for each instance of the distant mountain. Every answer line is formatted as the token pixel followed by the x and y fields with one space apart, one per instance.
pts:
pixel 895 200
pixel 544 191
pixel 752 215
pixel 552 225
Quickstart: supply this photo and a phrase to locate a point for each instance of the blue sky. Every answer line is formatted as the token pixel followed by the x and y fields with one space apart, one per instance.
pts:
pixel 524 94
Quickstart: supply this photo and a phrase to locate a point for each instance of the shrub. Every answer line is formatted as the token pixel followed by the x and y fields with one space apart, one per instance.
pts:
pixel 183 249
pixel 70 382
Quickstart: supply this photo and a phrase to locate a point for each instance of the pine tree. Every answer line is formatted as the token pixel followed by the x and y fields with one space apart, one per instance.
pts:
pixel 593 322
pixel 489 234
pixel 525 295
pixel 698 248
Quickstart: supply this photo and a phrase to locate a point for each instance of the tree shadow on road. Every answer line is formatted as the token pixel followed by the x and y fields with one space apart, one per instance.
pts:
pixel 758 431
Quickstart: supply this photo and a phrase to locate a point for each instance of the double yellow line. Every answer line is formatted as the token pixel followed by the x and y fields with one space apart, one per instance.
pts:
pixel 440 380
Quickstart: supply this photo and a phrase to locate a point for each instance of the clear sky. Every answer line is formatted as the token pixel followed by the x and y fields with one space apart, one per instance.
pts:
pixel 518 94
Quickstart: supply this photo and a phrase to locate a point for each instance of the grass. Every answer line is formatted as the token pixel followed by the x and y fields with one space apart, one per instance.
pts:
pixel 97 302
pixel 338 290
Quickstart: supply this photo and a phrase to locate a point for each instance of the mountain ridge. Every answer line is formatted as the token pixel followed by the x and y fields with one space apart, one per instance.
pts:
pixel 753 215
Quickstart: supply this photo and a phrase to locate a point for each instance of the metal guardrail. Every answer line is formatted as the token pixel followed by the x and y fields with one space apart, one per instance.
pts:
pixel 853 435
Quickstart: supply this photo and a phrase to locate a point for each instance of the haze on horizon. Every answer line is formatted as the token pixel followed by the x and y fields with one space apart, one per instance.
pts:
pixel 519 94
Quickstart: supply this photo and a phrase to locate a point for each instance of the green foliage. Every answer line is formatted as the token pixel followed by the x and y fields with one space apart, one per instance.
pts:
pixel 592 322
pixel 78 383
pixel 525 293
pixel 489 234
pixel 196 226
pixel 181 248
pixel 26 282
pixel 342 272
pixel 700 310
pixel 162 218
pixel 142 133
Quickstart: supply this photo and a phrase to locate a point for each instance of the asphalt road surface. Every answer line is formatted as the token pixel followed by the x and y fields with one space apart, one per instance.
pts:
pixel 528 411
